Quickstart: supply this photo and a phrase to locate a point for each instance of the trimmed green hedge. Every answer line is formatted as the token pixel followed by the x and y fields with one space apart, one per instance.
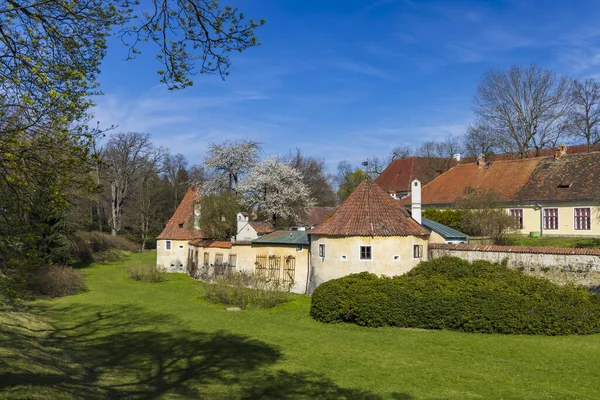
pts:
pixel 450 293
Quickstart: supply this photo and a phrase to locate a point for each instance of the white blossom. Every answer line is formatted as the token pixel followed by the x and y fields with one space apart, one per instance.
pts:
pixel 276 189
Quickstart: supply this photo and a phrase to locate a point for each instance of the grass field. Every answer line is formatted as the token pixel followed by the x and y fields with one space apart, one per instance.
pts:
pixel 572 242
pixel 128 339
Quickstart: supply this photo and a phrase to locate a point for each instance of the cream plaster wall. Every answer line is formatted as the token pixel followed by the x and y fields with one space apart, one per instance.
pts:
pixel 436 238
pixel 566 219
pixel 174 260
pixel 246 259
pixel 390 256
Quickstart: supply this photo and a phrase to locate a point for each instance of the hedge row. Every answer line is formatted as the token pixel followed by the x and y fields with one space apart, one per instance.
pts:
pixel 450 293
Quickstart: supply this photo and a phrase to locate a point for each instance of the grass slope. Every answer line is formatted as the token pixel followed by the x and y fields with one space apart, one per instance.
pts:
pixel 127 339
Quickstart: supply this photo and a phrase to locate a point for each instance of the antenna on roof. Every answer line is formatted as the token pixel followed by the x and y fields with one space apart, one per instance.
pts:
pixel 456 157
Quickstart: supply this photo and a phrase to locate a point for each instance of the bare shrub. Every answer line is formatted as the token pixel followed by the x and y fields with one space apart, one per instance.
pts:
pixel 56 281
pixel 97 246
pixel 144 271
pixel 247 290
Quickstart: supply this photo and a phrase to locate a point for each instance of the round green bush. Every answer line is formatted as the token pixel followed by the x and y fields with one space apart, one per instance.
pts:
pixel 450 293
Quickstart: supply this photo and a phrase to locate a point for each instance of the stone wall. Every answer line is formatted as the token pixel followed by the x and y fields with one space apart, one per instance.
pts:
pixel 560 265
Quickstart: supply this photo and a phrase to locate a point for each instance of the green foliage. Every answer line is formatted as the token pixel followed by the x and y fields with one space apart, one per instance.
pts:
pixel 145 271
pixel 449 217
pixel 56 281
pixel 450 293
pixel 218 215
pixel 350 181
pixel 246 290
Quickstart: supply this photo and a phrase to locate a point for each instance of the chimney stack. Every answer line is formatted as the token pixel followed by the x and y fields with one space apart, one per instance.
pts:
pixel 481 161
pixel 561 151
pixel 415 192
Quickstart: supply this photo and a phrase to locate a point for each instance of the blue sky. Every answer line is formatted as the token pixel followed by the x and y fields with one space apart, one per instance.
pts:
pixel 347 80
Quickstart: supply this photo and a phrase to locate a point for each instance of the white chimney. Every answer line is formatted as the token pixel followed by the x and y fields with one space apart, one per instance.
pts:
pixel 242 221
pixel 415 192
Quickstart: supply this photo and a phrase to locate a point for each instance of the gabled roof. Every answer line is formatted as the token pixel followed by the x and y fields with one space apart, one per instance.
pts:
pixel 506 178
pixel 444 231
pixel 283 237
pixel 262 227
pixel 369 211
pixel 401 172
pixel 181 224
pixel 573 177
pixel 319 214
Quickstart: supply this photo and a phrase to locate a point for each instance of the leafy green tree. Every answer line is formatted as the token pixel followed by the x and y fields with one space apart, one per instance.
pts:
pixel 350 181
pixel 51 52
pixel 449 217
pixel 218 215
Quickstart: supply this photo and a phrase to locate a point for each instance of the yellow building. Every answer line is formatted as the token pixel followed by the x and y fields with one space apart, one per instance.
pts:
pixel 280 255
pixel 551 196
pixel 369 232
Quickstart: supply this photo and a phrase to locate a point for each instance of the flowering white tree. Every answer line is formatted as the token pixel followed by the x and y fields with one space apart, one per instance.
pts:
pixel 229 161
pixel 277 190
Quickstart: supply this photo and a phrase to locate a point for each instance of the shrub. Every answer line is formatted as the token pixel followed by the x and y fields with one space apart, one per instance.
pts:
pixel 246 290
pixel 98 246
pixel 144 271
pixel 449 293
pixel 56 281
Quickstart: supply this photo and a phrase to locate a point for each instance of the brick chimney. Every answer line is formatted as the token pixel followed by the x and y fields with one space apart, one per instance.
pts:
pixel 415 193
pixel 560 151
pixel 481 161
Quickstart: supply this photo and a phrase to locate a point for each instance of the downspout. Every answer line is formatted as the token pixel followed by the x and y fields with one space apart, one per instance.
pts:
pixel 307 265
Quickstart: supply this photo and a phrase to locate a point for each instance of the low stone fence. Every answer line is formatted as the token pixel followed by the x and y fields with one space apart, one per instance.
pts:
pixel 560 265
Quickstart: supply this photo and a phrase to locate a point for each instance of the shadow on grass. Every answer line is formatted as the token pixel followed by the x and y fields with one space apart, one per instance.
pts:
pixel 121 353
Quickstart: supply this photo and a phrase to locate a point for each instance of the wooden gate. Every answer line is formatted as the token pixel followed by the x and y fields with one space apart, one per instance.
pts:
pixel 261 265
pixel 289 270
pixel 274 267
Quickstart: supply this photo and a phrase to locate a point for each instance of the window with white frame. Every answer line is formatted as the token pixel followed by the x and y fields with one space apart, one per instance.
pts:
pixel 417 250
pixel 583 218
pixel 365 252
pixel 168 245
pixel 550 218
pixel 517 214
pixel 322 250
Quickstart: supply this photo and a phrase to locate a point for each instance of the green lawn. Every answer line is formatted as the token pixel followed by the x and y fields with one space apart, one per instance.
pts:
pixel 572 242
pixel 126 339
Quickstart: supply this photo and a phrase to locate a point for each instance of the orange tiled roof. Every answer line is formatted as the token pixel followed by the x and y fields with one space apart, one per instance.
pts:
pixel 262 227
pixel 369 211
pixel 504 177
pixel 401 172
pixel 181 224
pixel 574 177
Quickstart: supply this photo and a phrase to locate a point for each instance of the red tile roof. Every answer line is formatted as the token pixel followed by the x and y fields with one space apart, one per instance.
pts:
pixel 506 178
pixel 262 227
pixel 369 211
pixel 181 224
pixel 401 172
pixel 320 214
pixel 574 177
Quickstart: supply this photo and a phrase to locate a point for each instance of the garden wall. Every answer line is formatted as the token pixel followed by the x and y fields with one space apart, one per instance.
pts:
pixel 559 265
